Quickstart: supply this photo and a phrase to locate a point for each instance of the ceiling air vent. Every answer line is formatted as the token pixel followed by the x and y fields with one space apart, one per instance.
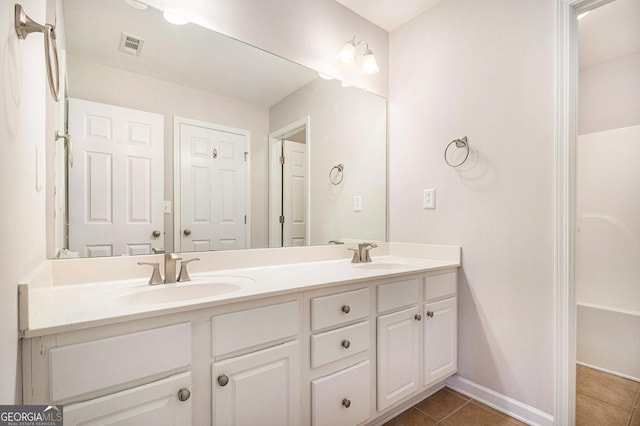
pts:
pixel 131 44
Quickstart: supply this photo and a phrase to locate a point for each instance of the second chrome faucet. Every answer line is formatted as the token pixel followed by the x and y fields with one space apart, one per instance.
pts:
pixel 170 276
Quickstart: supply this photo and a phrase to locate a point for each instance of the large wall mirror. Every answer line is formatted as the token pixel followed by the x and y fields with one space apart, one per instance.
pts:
pixel 183 139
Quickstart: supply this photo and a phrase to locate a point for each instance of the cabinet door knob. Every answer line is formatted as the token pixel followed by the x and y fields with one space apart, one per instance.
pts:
pixel 184 394
pixel 223 380
pixel 346 403
pixel 346 344
pixel 430 314
pixel 346 309
pixel 418 317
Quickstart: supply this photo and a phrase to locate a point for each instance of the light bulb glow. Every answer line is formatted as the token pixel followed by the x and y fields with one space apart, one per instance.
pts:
pixel 136 4
pixel 347 55
pixel 369 65
pixel 583 14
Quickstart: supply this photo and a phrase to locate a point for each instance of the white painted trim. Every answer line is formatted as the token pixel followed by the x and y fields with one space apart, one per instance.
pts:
pixel 500 402
pixel 566 94
pixel 177 121
pixel 275 180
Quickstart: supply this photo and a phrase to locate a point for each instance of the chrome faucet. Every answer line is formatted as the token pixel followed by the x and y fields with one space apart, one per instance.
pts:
pixel 170 267
pixel 170 260
pixel 361 254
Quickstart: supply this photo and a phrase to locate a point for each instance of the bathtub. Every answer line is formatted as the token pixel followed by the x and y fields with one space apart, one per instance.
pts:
pixel 608 339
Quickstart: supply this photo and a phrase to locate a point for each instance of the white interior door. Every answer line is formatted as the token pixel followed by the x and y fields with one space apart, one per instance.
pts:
pixel 213 188
pixel 294 197
pixel 116 184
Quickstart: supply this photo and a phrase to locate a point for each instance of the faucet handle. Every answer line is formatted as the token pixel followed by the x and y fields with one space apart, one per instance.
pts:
pixel 156 278
pixel 184 274
pixel 356 255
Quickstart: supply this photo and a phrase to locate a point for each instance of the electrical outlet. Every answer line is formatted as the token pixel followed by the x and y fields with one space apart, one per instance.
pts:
pixel 429 199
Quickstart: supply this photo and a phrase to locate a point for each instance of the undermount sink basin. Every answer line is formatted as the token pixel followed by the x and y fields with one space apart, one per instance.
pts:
pixel 198 288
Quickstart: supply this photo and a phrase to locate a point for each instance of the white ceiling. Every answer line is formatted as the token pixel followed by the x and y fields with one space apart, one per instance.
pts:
pixel 188 54
pixel 609 32
pixel 389 14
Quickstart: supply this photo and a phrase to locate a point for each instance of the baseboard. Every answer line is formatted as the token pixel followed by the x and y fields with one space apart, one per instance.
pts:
pixel 502 403
pixel 615 373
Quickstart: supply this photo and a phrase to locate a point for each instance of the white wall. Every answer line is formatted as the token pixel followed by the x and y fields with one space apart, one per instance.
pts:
pixel 610 94
pixel 348 126
pixel 122 88
pixel 23 117
pixel 484 69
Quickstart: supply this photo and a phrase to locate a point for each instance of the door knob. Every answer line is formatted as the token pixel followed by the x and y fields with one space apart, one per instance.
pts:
pixel 187 232
pixel 223 380
pixel 156 233
pixel 184 394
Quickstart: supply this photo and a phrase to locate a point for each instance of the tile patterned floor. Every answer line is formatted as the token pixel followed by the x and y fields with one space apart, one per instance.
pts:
pixel 601 400
pixel 450 408
pixel 605 399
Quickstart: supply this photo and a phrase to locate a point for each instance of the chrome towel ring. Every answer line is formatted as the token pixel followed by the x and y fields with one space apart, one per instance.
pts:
pixel 460 143
pixel 26 26
pixel 336 174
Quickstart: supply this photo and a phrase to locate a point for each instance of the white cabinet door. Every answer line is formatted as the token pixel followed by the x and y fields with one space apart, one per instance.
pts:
pixel 440 340
pixel 156 403
pixel 260 388
pixel 398 355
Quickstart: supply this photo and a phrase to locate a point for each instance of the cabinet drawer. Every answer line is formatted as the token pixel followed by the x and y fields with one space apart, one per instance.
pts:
pixel 336 344
pixel 439 286
pixel 337 309
pixel 253 327
pixel 156 403
pixel 398 295
pixel 96 367
pixel 342 398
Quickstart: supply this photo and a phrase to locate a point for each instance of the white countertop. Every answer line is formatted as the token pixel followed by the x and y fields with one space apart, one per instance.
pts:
pixel 63 308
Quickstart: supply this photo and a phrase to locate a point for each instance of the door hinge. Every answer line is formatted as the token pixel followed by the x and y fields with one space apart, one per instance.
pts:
pixel 281 219
pixel 246 155
pixel 245 219
pixel 281 161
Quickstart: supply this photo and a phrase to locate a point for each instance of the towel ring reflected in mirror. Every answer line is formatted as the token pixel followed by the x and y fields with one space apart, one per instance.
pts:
pixel 336 174
pixel 459 143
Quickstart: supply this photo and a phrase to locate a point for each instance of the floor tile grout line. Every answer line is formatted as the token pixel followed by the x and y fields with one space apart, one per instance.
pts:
pixel 456 410
pixel 609 403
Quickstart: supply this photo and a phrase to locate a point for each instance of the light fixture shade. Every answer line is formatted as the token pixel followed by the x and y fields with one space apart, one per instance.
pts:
pixel 369 65
pixel 347 55
pixel 174 19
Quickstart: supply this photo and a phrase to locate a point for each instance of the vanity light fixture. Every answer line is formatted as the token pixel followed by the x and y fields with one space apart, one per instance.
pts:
pixel 174 19
pixel 347 56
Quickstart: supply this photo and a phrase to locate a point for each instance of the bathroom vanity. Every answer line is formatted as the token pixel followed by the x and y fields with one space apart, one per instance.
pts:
pixel 321 341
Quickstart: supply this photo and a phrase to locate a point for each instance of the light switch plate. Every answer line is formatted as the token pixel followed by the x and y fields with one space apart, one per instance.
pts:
pixel 429 198
pixel 357 203
pixel 167 207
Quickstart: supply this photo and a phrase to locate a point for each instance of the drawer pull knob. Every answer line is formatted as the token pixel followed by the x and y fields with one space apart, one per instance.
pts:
pixel 430 314
pixel 346 309
pixel 346 403
pixel 346 344
pixel 184 394
pixel 223 380
pixel 418 317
